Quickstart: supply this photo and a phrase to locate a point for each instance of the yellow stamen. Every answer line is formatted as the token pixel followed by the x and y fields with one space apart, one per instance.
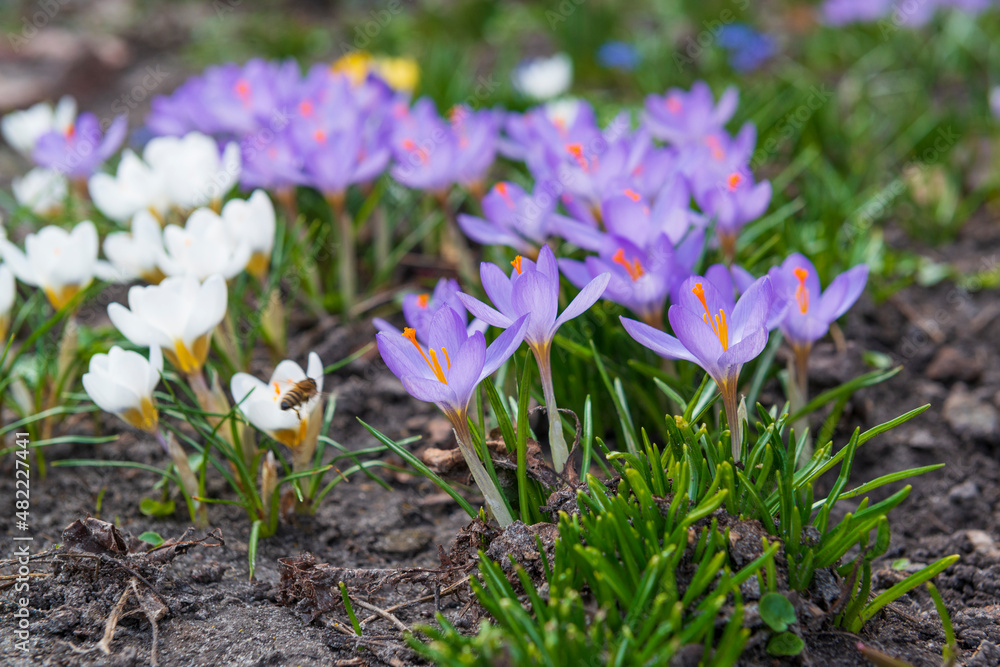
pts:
pixel 634 268
pixel 432 362
pixel 516 263
pixel 802 292
pixel 718 322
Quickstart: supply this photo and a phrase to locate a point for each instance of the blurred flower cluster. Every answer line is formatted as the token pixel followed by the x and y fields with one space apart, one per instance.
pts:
pixel 917 13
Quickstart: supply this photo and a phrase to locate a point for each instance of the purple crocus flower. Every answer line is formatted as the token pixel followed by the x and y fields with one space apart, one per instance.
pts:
pixel 533 288
pixel 718 342
pixel 731 281
pixel 80 150
pixel 681 117
pixel 447 373
pixel 811 310
pixel 733 203
pixel 641 278
pixel 425 149
pixel 514 218
pixel 419 310
pixel 476 135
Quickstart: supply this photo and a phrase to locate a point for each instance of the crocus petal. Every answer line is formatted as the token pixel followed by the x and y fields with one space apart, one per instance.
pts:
pixel 131 326
pixel 211 308
pixel 662 343
pixel 751 310
pixel 504 346
pixel 841 294
pixel 484 312
pixel 587 297
pixel 487 233
pixel 463 375
pixel 536 293
pixel 432 391
pixel 698 337
pixel 18 263
pixel 497 286
pixel 314 369
pixel 401 356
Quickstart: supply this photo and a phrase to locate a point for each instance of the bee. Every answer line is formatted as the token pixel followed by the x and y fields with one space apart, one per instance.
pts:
pixel 301 393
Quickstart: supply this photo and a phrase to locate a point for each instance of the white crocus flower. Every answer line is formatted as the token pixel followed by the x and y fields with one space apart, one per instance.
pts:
pixel 252 221
pixel 121 382
pixel 203 247
pixel 42 190
pixel 61 263
pixel 7 293
pixel 177 315
pixel 193 171
pixel 22 129
pixel 134 187
pixel 261 403
pixel 544 78
pixel 136 255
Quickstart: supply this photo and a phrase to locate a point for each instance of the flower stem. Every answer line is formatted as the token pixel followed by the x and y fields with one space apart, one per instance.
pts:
pixel 189 482
pixel 732 416
pixel 346 250
pixel 494 501
pixel 557 441
pixel 800 396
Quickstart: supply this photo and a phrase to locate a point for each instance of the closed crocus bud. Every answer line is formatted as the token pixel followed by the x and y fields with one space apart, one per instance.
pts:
pixel 121 382
pixel 202 247
pixel 289 386
pixel 252 221
pixel 136 255
pixel 61 263
pixel 7 294
pixel 544 78
pixel 41 190
pixel 178 315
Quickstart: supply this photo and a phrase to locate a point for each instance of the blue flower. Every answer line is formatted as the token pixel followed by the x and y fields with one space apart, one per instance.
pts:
pixel 618 55
pixel 748 49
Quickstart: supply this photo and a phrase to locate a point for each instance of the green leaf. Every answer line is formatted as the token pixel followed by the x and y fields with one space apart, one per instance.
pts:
pixel 151 507
pixel 152 538
pixel 777 612
pixel 903 587
pixel 786 643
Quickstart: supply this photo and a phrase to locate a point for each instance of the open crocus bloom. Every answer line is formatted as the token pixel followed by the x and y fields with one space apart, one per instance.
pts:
pixel 260 403
pixel 178 315
pixel 811 310
pixel 453 363
pixel 252 221
pixel 61 263
pixel 121 382
pixel 7 294
pixel 78 150
pixel 134 187
pixel 193 171
pixel 681 117
pixel 136 255
pixel 42 190
pixel 706 334
pixel 419 310
pixel 544 78
pixel 22 129
pixel 203 247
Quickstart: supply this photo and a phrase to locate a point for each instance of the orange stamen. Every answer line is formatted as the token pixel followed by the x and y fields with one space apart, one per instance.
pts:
pixel 674 105
pixel 306 108
pixel 802 292
pixel 633 268
pixel 70 131
pixel 432 362
pixel 718 322
pixel 319 136
pixel 734 181
pixel 576 150
pixel 632 194
pixel 242 89
pixel 502 189
pixel 410 145
pixel 423 300
pixel 516 263
pixel 713 143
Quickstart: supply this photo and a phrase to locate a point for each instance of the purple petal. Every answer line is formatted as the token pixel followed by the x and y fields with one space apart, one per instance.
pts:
pixel 662 343
pixel 546 263
pixel 587 297
pixel 538 294
pixel 401 356
pixel 447 330
pixel 841 294
pixel 487 233
pixel 432 391
pixel 751 311
pixel 465 368
pixel 733 359
pixel 485 313
pixel 497 286
pixel 504 346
